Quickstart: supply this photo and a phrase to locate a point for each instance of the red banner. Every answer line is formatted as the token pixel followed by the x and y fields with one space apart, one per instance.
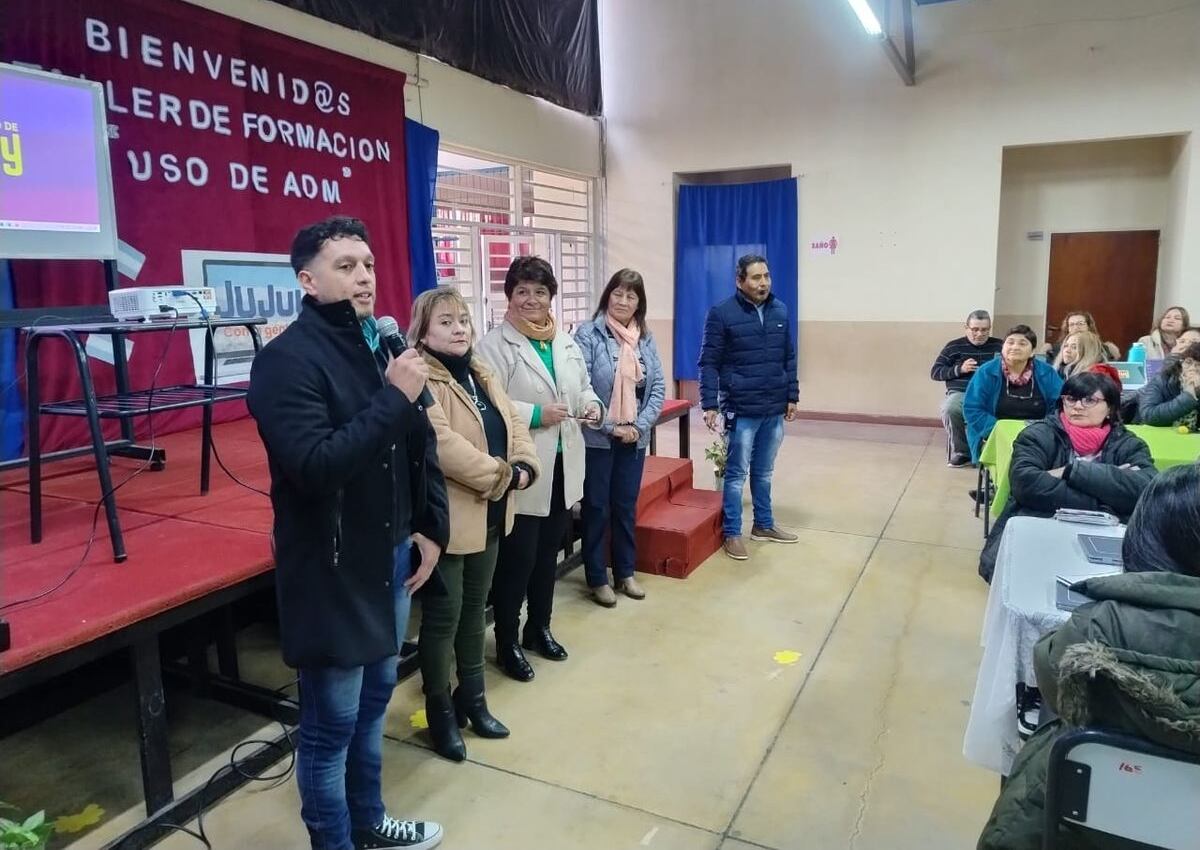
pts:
pixel 225 138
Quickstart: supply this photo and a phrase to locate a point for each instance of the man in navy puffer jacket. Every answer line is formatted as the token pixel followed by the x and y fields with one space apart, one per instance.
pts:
pixel 748 381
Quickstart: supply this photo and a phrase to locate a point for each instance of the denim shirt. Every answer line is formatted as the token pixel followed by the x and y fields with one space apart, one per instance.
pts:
pixel 600 352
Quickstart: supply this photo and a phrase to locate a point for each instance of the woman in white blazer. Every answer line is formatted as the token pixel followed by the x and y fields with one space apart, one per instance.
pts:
pixel 544 374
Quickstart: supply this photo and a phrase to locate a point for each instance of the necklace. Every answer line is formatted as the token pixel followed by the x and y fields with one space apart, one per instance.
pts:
pixel 475 393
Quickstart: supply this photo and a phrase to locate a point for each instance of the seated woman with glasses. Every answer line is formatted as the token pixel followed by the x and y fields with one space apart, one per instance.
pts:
pixel 1172 397
pixel 1127 662
pixel 1079 457
pixel 1015 385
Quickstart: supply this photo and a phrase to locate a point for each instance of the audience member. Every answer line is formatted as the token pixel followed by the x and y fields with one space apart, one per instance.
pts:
pixel 1126 662
pixel 1015 385
pixel 1080 351
pixel 542 370
pixel 1170 398
pixel 354 473
pixel 486 453
pixel 955 365
pixel 1159 342
pixel 1074 322
pixel 1189 337
pixel 1080 456
pixel 748 382
pixel 624 366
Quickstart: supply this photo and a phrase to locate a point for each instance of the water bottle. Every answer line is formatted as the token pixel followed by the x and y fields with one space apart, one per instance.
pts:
pixel 1137 353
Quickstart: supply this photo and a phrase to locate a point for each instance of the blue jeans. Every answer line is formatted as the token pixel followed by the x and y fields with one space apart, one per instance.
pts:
pixel 752 446
pixel 339 751
pixel 610 493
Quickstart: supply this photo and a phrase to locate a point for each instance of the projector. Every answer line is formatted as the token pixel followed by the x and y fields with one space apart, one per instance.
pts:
pixel 159 303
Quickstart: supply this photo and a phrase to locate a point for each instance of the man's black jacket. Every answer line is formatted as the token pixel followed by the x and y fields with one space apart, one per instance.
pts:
pixel 354 469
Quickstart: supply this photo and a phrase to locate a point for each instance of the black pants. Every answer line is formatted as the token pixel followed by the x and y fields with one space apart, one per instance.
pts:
pixel 527 565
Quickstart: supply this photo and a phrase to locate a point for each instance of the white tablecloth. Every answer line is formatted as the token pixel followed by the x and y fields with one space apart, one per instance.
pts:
pixel 1020 610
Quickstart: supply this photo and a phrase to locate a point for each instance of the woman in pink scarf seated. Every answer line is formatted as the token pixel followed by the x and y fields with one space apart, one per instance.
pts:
pixel 626 372
pixel 1080 457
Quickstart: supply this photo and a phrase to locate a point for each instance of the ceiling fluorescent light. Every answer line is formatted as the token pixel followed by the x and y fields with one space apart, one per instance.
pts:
pixel 866 17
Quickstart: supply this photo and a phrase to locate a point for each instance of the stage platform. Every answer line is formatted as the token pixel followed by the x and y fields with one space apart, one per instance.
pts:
pixel 182 546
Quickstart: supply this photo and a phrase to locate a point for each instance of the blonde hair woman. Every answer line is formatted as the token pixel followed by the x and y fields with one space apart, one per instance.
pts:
pixel 486 453
pixel 543 371
pixel 1080 351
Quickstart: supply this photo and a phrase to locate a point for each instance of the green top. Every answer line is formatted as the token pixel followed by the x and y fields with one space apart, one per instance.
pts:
pixel 545 350
pixel 1168 448
pixel 371 333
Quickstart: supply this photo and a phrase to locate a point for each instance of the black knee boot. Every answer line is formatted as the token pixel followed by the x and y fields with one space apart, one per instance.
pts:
pixel 447 740
pixel 470 704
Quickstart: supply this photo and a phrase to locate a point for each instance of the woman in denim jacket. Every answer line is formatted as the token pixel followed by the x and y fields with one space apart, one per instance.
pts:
pixel 624 365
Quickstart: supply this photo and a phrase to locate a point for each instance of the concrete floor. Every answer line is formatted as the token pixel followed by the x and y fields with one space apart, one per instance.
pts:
pixel 812 697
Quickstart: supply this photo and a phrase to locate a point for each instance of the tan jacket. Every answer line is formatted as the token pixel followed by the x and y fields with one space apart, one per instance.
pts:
pixel 473 477
pixel 527 383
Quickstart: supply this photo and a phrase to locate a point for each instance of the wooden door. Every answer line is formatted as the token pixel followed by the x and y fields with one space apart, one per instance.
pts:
pixel 1112 275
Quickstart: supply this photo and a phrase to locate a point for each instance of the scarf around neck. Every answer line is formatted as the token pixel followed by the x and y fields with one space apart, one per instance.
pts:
pixel 543 332
pixel 1018 380
pixel 623 407
pixel 1085 441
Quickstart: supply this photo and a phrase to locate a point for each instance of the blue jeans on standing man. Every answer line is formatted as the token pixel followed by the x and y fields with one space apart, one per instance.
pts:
pixel 339 752
pixel 610 493
pixel 752 443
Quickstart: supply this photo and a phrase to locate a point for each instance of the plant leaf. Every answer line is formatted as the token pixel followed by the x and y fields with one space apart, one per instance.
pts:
pixel 34 821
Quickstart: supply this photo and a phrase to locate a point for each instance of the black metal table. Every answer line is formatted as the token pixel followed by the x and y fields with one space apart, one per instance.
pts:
pixel 123 405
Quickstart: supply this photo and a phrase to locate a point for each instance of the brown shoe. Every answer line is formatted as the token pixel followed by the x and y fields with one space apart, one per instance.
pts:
pixel 631 588
pixel 736 549
pixel 773 535
pixel 603 595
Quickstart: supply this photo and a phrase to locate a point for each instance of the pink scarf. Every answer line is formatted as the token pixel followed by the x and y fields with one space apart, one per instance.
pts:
pixel 1085 441
pixel 623 407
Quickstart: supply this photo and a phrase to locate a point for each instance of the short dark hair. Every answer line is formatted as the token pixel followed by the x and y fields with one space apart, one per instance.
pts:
pixel 626 279
pixel 1025 331
pixel 979 316
pixel 532 269
pixel 1164 532
pixel 1083 384
pixel 746 261
pixel 309 240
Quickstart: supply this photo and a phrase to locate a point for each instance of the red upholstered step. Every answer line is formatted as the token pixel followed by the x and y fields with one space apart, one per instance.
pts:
pixel 673 540
pixel 678 527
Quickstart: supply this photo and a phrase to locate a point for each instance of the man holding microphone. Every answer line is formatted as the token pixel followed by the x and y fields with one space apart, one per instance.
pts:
pixel 356 487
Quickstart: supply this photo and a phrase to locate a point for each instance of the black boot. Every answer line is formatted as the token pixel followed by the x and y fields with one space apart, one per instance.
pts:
pixel 447 740
pixel 543 643
pixel 471 704
pixel 512 661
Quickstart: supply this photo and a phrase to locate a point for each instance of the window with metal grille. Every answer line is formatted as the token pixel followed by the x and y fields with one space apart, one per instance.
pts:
pixel 488 212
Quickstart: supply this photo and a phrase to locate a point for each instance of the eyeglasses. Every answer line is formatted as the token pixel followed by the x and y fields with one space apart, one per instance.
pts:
pixel 1087 403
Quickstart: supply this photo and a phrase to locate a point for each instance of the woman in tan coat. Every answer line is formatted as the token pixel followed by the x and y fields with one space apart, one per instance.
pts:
pixel 486 453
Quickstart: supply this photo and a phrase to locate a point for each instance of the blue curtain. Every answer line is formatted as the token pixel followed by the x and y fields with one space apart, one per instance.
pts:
pixel 421 154
pixel 716 225
pixel 12 404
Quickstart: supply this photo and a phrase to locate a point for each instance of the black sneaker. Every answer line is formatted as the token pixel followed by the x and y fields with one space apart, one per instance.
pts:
pixel 959 461
pixel 411 834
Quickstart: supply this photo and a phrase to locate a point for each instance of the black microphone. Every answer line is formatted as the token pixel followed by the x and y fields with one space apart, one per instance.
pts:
pixel 397 344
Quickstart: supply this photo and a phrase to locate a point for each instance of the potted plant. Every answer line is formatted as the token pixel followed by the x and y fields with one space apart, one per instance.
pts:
pixel 717 455
pixel 28 834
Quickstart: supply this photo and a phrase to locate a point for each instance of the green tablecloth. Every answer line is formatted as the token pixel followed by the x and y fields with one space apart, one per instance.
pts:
pixel 1167 446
